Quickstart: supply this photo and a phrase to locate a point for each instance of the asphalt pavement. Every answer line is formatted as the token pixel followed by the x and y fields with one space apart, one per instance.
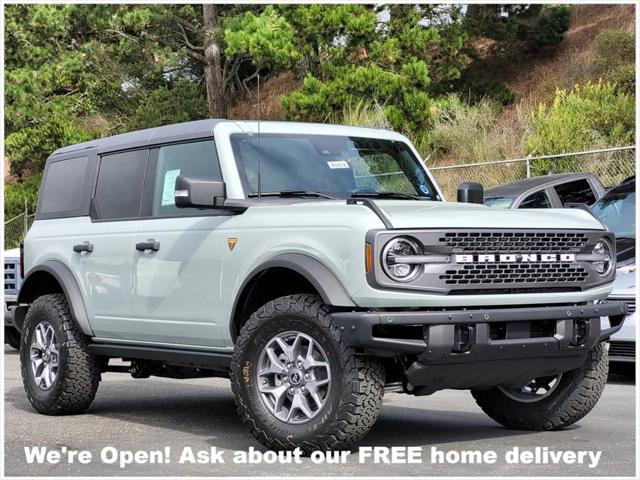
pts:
pixel 169 416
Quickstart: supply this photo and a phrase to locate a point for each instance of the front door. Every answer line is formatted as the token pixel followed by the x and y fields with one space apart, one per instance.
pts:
pixel 177 265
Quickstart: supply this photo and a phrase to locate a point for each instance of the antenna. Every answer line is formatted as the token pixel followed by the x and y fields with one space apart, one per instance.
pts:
pixel 259 152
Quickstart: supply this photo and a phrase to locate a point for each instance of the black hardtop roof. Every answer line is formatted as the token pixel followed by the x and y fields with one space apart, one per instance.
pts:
pixel 164 134
pixel 514 189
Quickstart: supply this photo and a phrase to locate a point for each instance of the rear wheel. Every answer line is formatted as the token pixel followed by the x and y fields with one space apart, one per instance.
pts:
pixel 549 403
pixel 59 373
pixel 297 385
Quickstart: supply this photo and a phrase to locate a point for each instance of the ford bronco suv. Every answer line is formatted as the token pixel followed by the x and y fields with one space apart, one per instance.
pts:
pixel 314 266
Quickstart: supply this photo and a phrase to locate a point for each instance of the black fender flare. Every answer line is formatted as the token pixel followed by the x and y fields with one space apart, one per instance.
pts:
pixel 323 280
pixel 70 289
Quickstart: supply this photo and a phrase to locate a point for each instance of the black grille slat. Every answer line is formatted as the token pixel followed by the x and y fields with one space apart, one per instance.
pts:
pixel 514 242
pixel 499 273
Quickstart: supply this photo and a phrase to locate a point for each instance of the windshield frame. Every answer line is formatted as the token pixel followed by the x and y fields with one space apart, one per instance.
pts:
pixel 250 194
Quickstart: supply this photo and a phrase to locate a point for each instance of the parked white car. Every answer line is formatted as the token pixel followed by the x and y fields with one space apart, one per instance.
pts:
pixel 12 280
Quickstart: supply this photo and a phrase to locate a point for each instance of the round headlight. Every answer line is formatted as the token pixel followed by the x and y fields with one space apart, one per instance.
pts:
pixel 400 247
pixel 603 249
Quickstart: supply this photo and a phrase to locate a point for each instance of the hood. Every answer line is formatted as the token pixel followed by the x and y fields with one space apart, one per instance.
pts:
pixel 427 214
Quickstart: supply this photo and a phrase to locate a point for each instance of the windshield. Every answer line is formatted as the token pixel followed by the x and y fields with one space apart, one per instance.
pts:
pixel 498 202
pixel 617 210
pixel 336 166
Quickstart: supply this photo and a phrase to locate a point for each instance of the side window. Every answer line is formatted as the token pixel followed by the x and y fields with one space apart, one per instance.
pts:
pixel 120 184
pixel 64 186
pixel 578 191
pixel 536 200
pixel 195 159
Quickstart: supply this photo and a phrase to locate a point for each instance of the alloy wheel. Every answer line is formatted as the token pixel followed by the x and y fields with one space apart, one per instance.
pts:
pixel 294 377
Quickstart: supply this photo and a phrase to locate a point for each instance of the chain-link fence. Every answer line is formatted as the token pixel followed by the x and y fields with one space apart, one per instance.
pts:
pixel 611 165
pixel 16 229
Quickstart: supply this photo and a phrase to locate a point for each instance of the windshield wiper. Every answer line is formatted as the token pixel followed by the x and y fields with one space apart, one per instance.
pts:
pixel 292 193
pixel 395 195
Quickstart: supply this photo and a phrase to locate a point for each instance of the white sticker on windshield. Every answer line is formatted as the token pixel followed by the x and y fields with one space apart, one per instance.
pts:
pixel 338 164
pixel 169 187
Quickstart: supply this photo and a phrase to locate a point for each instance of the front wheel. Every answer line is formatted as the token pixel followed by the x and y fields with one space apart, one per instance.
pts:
pixel 297 384
pixel 549 403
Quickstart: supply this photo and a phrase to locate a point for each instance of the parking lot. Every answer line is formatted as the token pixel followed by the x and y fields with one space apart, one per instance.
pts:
pixel 156 413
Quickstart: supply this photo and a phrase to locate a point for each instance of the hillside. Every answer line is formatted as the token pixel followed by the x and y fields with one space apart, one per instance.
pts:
pixel 532 79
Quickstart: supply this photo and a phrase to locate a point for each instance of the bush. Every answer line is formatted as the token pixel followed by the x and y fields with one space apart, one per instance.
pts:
pixel 15 195
pixel 614 58
pixel 363 113
pixel 589 116
pixel 460 130
pixel 29 147
pixel 495 91
pixel 181 101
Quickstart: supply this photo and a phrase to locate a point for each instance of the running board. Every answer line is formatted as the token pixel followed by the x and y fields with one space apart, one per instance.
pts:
pixel 169 356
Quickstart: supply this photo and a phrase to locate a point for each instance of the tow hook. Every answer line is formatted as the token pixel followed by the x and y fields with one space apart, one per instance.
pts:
pixel 581 330
pixel 462 338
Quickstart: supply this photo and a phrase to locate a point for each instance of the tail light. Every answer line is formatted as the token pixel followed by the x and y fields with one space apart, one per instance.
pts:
pixel 22 259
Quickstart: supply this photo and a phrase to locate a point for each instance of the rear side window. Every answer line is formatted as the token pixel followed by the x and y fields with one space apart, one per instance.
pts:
pixel 120 184
pixel 194 159
pixel 578 191
pixel 63 187
pixel 536 200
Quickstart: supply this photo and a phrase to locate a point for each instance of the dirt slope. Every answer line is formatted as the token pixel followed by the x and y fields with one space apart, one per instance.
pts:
pixel 532 82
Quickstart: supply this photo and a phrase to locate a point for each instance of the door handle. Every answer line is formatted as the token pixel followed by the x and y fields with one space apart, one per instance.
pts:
pixel 83 247
pixel 148 245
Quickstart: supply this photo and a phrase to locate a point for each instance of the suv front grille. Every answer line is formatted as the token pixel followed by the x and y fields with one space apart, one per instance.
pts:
pixel 11 276
pixel 500 273
pixel 483 261
pixel 514 242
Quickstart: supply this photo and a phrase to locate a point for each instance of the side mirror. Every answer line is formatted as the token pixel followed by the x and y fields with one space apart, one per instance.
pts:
pixel 199 192
pixel 470 192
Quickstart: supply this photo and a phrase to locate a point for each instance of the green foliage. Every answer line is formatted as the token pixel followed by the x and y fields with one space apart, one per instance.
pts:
pixel 266 38
pixel 536 25
pixel 590 115
pixel 29 147
pixel 495 91
pixel 351 56
pixel 15 195
pixel 363 113
pixel 460 130
pixel 614 58
pixel 181 101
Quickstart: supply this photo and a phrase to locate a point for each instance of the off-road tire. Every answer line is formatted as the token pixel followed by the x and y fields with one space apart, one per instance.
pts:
pixel 357 381
pixel 12 337
pixel 78 372
pixel 574 397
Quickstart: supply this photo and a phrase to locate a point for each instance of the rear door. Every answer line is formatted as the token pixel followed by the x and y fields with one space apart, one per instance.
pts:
pixel 103 243
pixel 177 267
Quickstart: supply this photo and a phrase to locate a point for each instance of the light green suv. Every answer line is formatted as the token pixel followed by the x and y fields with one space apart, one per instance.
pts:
pixel 314 266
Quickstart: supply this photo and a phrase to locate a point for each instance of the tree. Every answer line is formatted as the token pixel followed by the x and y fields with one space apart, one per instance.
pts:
pixel 394 56
pixel 533 26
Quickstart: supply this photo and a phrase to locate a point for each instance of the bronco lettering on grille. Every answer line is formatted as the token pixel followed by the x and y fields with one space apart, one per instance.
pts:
pixel 514 258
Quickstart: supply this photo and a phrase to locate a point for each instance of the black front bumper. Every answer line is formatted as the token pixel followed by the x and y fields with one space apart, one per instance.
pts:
pixel 482 348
